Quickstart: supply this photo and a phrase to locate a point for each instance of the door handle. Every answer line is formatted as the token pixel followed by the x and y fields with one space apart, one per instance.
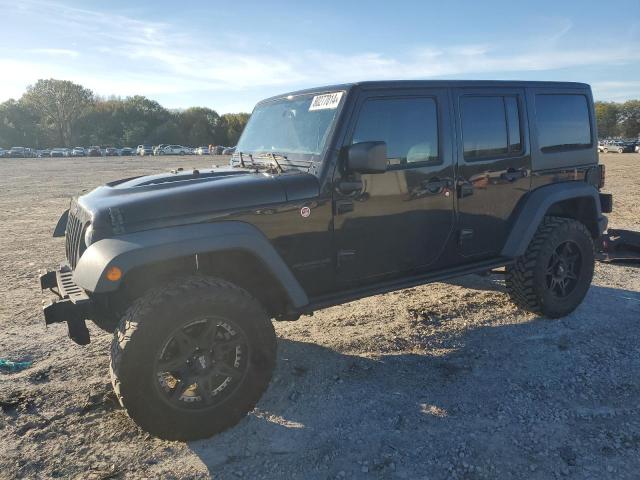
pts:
pixel 343 206
pixel 346 187
pixel 465 190
pixel 512 174
pixel 435 185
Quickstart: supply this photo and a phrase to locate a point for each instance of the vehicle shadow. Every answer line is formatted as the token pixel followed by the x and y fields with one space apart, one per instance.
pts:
pixel 504 398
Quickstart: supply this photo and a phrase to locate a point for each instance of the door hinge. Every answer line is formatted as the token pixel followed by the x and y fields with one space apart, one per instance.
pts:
pixel 466 234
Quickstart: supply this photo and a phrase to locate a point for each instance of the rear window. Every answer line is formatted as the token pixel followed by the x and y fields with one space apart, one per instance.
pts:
pixel 563 122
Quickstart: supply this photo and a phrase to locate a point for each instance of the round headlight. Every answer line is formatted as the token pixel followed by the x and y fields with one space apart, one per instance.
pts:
pixel 88 236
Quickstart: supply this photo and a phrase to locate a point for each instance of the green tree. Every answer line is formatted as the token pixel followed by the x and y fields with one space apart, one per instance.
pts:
pixel 59 104
pixel 19 126
pixel 629 119
pixel 199 126
pixel 607 119
pixel 143 121
pixel 233 125
pixel 101 124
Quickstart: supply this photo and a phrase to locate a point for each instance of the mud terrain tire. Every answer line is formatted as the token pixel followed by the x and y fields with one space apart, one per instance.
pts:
pixel 555 273
pixel 224 321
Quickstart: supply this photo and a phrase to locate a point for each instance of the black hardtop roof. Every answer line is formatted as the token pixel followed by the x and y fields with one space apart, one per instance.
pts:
pixel 378 84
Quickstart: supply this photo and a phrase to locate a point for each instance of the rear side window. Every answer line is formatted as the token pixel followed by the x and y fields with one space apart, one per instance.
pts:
pixel 563 122
pixel 490 126
pixel 409 126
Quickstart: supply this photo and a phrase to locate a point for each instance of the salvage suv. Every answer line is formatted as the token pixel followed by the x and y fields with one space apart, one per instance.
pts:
pixel 333 194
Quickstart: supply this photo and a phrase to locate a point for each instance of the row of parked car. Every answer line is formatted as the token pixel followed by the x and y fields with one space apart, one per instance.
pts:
pixel 619 146
pixel 97 151
pixel 169 149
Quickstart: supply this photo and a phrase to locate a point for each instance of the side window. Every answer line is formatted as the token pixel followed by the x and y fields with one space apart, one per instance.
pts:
pixel 513 124
pixel 409 126
pixel 490 126
pixel 563 122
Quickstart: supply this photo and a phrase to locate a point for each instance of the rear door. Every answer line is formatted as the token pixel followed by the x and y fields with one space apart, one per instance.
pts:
pixel 399 220
pixel 494 165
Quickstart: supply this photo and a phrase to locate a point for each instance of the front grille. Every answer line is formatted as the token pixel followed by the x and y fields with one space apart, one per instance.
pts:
pixel 74 234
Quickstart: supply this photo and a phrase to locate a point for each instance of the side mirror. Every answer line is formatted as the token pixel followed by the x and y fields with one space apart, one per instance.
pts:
pixel 367 157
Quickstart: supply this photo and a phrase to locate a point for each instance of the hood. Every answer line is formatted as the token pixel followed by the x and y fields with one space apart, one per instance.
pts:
pixel 190 196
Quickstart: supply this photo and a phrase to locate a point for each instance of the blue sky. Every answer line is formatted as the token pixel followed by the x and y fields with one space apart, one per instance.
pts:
pixel 228 55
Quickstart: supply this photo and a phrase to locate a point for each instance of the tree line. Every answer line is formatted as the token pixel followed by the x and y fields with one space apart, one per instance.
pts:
pixel 60 113
pixel 618 119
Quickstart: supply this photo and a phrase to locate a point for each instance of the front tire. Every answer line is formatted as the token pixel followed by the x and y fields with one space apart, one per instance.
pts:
pixel 192 358
pixel 554 275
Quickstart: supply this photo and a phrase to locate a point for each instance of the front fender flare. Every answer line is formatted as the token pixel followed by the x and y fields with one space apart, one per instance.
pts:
pixel 143 248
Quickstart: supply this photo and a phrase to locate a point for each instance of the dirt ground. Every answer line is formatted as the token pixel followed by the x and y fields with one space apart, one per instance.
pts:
pixel 436 382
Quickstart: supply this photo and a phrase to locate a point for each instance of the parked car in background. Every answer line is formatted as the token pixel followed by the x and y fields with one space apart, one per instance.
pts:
pixel 17 152
pixel 617 146
pixel 3 153
pixel 637 149
pixel 144 150
pixel 173 150
pixel 158 148
pixel 78 152
pixel 126 151
pixel 217 150
pixel 111 152
pixel 202 151
pixel 44 153
pixel 57 152
pixel 229 151
pixel 94 151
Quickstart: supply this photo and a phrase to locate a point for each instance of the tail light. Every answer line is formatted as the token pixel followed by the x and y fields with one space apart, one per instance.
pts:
pixel 602 176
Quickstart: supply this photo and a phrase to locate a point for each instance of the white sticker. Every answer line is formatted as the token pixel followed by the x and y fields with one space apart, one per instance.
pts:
pixel 328 101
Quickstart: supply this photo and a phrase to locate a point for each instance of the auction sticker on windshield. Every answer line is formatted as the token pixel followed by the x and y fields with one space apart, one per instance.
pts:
pixel 327 101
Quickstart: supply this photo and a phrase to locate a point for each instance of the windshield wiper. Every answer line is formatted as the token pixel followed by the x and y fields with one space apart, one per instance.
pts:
pixel 242 159
pixel 241 155
pixel 273 157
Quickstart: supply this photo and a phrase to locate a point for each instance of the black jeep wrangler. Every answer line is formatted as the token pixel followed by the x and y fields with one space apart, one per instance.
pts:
pixel 332 194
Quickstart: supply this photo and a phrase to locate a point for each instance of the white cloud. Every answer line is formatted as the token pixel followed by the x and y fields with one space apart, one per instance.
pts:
pixel 55 52
pixel 616 90
pixel 122 55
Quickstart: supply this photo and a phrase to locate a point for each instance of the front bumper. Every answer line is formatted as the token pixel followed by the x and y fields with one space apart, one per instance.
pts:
pixel 73 305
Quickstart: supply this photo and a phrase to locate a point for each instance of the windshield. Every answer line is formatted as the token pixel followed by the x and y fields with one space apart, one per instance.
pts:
pixel 293 125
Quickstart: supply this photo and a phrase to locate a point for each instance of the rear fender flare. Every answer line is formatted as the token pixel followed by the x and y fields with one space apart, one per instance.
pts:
pixel 143 248
pixel 536 205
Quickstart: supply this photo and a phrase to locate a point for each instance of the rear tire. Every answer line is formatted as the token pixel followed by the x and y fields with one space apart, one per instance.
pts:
pixel 555 273
pixel 192 358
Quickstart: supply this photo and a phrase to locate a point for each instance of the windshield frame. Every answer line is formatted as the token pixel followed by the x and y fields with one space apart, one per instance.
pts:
pixel 293 159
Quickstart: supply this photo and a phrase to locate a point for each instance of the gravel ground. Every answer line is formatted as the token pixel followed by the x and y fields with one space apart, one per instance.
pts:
pixel 441 381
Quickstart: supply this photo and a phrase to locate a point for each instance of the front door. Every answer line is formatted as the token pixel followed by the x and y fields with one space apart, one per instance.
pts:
pixel 494 166
pixel 400 220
